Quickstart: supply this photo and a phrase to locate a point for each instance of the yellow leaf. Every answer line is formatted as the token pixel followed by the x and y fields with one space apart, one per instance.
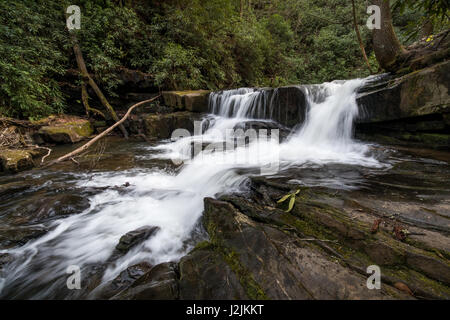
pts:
pixel 291 204
pixel 284 198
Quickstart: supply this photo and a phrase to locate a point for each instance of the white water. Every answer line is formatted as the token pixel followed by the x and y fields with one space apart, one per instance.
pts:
pixel 174 202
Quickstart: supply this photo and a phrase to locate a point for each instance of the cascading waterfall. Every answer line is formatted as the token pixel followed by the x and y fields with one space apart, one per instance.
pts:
pixel 174 202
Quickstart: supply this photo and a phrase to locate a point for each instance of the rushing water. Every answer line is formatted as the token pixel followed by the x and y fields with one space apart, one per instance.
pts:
pixel 173 201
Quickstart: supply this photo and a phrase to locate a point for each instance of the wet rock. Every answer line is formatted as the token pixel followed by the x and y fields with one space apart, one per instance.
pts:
pixel 161 126
pixel 15 160
pixel 67 132
pixel 135 237
pixel 415 94
pixel 430 266
pixel 40 209
pixel 412 109
pixel 160 283
pixel 204 275
pixel 194 101
pixel 272 264
pixel 121 282
pixel 18 236
pixel 5 258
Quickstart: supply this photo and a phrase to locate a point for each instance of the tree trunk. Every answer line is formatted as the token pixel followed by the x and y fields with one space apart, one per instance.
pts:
pixel 241 11
pixel 385 42
pixel 86 77
pixel 361 45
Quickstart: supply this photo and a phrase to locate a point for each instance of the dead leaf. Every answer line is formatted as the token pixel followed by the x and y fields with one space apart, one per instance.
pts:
pixel 403 287
pixel 375 226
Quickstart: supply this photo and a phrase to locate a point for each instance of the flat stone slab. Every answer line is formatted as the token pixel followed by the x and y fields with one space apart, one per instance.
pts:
pixel 193 100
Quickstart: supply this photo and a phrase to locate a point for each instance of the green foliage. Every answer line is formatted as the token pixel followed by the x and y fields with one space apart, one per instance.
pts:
pixel 432 8
pixel 182 44
pixel 32 57
pixel 411 16
pixel 179 68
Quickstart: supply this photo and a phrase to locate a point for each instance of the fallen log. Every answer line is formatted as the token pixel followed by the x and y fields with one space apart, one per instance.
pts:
pixel 98 137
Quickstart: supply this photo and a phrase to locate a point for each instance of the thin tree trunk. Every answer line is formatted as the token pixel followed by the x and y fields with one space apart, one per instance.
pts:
pixel 361 45
pixel 85 99
pixel 88 79
pixel 385 42
pixel 241 13
pixel 101 135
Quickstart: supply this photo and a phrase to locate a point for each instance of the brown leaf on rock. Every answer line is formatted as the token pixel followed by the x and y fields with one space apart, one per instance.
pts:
pixel 400 233
pixel 403 287
pixel 375 226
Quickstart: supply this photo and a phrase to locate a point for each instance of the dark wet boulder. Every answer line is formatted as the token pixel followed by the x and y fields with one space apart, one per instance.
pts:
pixel 121 282
pixel 5 259
pixel 135 237
pixel 43 208
pixel 160 283
pixel 415 94
pixel 412 109
pixel 205 275
pixel 11 236
pixel 274 264
pixel 161 126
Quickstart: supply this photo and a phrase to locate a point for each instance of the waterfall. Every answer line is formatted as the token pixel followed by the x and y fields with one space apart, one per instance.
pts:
pixel 174 201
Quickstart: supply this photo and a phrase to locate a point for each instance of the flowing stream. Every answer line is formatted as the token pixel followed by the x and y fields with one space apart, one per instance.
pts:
pixel 173 200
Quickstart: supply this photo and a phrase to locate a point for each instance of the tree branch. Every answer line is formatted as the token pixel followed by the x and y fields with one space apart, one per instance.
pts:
pixel 101 135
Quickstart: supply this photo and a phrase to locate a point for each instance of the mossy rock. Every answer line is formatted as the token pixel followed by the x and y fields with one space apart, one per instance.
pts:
pixel 69 132
pixel 192 100
pixel 16 160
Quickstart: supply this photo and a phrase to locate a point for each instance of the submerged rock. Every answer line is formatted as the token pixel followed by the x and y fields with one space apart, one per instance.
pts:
pixel 121 282
pixel 18 236
pixel 135 237
pixel 40 208
pixel 160 283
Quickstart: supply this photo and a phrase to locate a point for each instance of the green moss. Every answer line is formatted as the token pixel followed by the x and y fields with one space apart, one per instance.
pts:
pixel 203 245
pixel 413 277
pixel 231 257
pixel 251 287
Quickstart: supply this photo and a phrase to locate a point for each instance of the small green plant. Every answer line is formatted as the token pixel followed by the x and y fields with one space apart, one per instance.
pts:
pixel 291 197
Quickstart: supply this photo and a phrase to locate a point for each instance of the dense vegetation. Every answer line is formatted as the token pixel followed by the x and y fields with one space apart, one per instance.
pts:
pixel 182 44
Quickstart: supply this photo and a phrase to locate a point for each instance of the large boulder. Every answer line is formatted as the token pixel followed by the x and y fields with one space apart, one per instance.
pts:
pixel 194 100
pixel 416 94
pixel 161 126
pixel 413 109
pixel 66 132
pixel 160 283
pixel 133 238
